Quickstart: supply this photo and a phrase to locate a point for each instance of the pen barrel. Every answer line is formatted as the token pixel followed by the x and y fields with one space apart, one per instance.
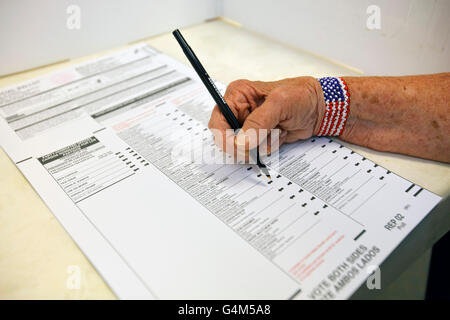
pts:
pixel 212 89
pixel 207 81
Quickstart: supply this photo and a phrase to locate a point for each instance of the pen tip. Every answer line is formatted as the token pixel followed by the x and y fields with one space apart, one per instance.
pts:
pixel 268 176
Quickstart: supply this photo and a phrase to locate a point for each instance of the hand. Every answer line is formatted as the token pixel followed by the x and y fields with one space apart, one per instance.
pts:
pixel 295 106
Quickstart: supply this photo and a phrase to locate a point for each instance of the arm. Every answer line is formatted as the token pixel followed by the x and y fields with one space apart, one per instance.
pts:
pixel 409 115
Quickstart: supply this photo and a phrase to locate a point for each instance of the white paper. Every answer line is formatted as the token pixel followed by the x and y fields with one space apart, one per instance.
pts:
pixel 103 144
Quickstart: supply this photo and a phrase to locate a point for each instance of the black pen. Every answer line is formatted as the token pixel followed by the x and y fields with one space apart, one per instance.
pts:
pixel 209 84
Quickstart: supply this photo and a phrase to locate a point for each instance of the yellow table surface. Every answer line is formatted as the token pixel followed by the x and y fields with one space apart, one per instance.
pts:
pixel 36 253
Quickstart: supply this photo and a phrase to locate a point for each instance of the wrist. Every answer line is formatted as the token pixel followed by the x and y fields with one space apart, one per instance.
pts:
pixel 320 106
pixel 335 108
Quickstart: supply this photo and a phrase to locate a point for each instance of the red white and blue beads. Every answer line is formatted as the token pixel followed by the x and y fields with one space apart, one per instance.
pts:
pixel 337 106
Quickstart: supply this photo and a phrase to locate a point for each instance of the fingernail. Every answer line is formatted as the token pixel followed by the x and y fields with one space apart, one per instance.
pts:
pixel 283 133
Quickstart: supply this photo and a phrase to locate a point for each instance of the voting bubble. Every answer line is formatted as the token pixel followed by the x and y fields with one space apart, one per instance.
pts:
pixel 374 279
pixel 73 281
pixel 73 21
pixel 373 21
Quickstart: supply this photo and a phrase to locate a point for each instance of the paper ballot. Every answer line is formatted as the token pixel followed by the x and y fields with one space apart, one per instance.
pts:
pixel 104 144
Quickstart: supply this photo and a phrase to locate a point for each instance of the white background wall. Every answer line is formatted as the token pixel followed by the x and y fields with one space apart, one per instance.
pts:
pixel 35 33
pixel 414 35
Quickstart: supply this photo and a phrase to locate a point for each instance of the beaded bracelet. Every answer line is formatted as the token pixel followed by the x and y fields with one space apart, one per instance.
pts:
pixel 337 106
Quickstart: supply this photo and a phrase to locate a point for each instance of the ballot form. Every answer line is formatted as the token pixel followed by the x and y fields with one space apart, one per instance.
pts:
pixel 119 150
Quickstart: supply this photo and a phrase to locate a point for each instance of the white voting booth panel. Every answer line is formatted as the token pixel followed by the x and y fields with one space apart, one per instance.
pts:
pixel 406 37
pixel 377 37
pixel 37 33
pixel 413 35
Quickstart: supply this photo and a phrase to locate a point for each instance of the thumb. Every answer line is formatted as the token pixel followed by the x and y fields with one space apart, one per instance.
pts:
pixel 257 125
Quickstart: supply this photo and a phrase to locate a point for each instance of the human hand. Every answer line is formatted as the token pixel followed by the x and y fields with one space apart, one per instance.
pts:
pixel 295 106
